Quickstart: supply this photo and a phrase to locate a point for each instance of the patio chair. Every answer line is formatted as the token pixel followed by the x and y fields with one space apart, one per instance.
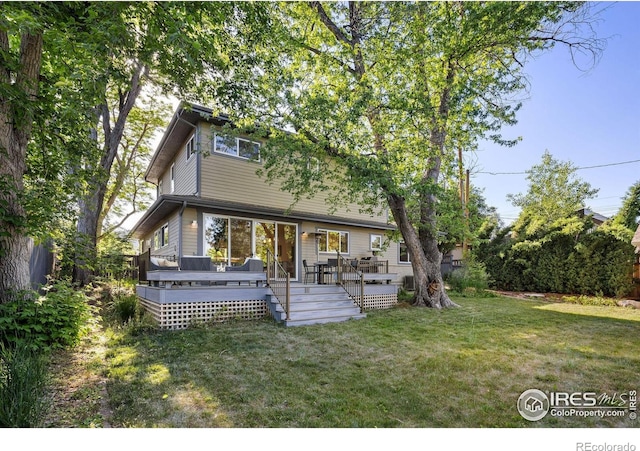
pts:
pixel 332 269
pixel 308 272
pixel 250 264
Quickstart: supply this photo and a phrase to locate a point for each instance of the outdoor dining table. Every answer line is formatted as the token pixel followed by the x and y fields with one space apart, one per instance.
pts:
pixel 320 269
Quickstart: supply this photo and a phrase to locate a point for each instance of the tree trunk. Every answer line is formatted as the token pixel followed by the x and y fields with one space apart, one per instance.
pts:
pixel 85 240
pixel 425 262
pixel 428 230
pixel 16 122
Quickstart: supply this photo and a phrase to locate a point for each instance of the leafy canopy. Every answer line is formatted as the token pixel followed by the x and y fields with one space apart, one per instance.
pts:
pixel 629 214
pixel 555 193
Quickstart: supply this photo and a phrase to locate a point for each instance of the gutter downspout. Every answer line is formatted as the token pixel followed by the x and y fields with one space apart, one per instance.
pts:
pixel 184 205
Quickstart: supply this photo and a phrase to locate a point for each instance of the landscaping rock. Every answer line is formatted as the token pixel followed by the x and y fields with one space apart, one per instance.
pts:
pixel 629 303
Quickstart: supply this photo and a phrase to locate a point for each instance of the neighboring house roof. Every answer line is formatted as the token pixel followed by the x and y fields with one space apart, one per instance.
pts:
pixel 182 123
pixel 598 219
pixel 166 204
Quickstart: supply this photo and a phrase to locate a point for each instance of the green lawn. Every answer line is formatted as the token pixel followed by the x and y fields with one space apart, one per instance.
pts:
pixel 405 367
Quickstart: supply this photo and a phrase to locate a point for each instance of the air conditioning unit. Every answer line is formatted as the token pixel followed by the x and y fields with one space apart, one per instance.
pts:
pixel 409 284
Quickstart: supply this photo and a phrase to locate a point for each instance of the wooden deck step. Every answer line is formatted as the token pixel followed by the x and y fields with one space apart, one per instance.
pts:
pixel 315 304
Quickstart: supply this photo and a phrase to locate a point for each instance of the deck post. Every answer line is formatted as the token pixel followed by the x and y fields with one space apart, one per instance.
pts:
pixel 288 296
pixel 361 293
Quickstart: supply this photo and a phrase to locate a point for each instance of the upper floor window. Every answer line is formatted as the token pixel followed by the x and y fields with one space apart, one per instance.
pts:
pixel 404 256
pixel 173 178
pixel 191 146
pixel 333 241
pixel 237 147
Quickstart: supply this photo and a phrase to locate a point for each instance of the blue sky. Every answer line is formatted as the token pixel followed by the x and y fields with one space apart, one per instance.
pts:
pixel 590 119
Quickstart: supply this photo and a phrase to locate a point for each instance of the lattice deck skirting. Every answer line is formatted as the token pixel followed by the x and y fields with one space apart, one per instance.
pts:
pixel 379 301
pixel 179 315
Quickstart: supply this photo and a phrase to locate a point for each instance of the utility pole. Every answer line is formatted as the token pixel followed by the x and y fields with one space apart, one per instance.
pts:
pixel 466 214
pixel 464 198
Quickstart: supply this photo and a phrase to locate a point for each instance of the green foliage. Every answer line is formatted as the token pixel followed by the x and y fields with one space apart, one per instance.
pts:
pixel 125 305
pixel 629 214
pixel 113 262
pixel 23 376
pixel 122 308
pixel 404 296
pixel 470 280
pixel 57 320
pixel 571 257
pixel 590 300
pixel 554 193
pixel 551 248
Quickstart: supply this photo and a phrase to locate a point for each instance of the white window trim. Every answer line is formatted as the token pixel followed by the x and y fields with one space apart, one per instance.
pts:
pixel 408 262
pixel 160 235
pixel 190 143
pixel 327 231
pixel 371 237
pixel 172 175
pixel 253 236
pixel 237 148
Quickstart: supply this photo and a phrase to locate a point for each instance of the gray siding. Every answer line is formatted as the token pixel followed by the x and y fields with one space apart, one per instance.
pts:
pixel 171 249
pixel 359 247
pixel 185 173
pixel 189 232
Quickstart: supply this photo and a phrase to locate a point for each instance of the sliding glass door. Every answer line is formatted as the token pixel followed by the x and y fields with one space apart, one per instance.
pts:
pixel 229 241
pixel 286 247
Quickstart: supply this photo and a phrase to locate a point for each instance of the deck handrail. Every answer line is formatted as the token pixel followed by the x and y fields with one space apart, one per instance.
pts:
pixel 351 280
pixel 279 281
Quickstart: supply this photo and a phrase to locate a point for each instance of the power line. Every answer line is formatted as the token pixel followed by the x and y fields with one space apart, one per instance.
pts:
pixel 577 169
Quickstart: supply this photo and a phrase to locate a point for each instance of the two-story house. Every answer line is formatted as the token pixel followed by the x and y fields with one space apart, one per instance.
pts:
pixel 210 202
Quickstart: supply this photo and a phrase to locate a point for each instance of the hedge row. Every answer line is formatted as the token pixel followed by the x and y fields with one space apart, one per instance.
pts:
pixel 593 263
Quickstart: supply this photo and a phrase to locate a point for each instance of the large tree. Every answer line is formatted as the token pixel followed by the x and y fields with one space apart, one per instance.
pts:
pixel 127 191
pixel 21 43
pixel 629 213
pixel 184 48
pixel 555 193
pixel 383 95
pixel 80 52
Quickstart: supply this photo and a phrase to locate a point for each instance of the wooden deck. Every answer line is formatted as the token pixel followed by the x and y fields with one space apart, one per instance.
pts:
pixel 175 306
pixel 200 277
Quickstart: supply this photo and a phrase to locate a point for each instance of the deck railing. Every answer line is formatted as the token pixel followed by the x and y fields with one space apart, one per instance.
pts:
pixel 279 280
pixel 373 266
pixel 351 280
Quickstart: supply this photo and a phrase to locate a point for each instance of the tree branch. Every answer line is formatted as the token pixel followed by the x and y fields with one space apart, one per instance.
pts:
pixel 319 53
pixel 326 20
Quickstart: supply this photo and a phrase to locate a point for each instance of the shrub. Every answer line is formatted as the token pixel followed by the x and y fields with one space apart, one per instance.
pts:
pixel 23 373
pixel 590 300
pixel 471 279
pixel 577 259
pixel 126 306
pixel 57 320
pixel 122 308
